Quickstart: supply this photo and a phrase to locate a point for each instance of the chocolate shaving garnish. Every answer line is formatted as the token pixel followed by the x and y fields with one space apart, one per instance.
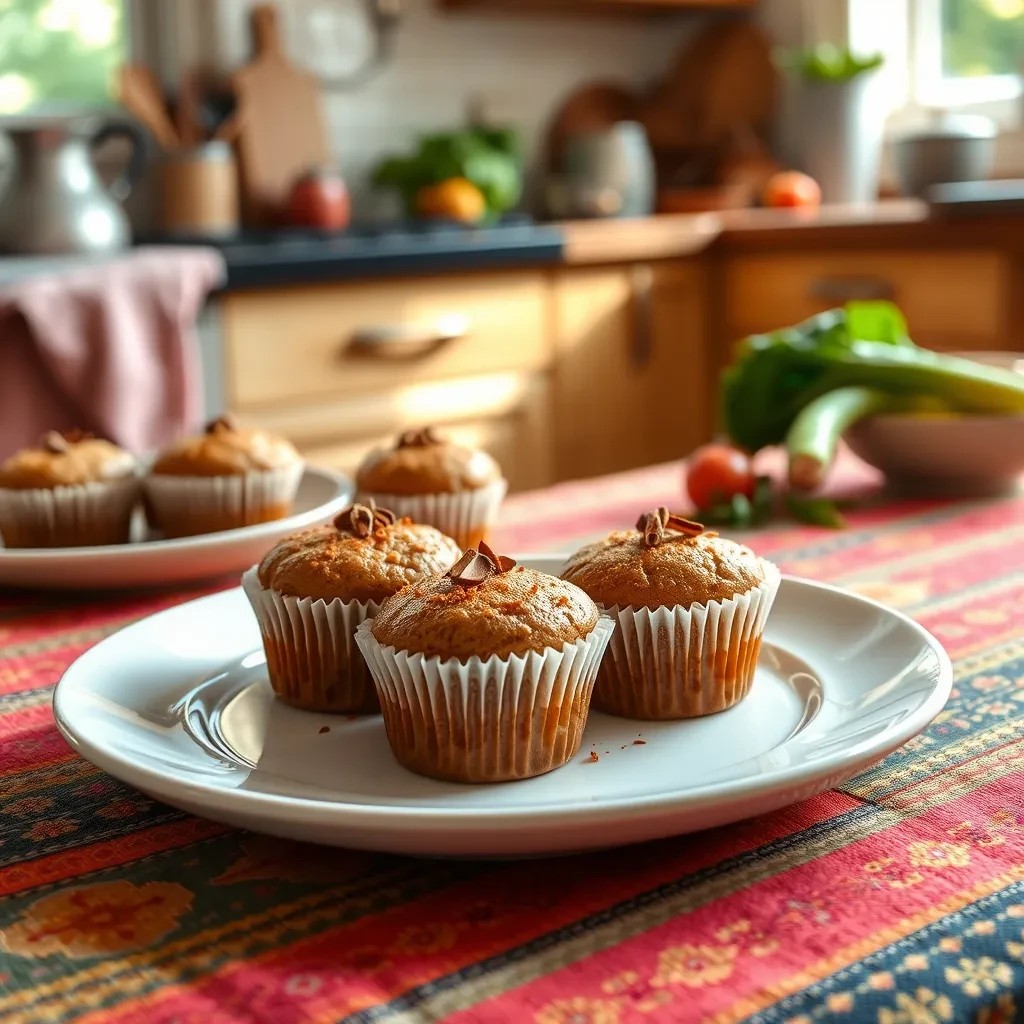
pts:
pixel 472 569
pixel 654 524
pixel 223 422
pixel 503 562
pixel 475 566
pixel 59 441
pixel 418 438
pixel 364 520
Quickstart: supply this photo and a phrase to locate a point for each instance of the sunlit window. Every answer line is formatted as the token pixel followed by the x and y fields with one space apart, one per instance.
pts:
pixel 968 50
pixel 58 51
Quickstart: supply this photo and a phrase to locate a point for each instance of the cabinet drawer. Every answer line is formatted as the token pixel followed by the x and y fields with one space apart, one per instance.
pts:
pixel 351 339
pixel 950 299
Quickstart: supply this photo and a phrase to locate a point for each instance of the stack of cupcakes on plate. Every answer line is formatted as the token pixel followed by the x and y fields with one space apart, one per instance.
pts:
pixel 690 609
pixel 427 478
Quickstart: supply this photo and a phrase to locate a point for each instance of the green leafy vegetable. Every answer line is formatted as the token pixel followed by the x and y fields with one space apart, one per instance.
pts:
pixel 815 511
pixel 775 376
pixel 488 157
pixel 828 63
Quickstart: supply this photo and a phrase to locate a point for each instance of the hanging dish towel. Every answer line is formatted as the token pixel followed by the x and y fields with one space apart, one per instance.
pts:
pixel 109 347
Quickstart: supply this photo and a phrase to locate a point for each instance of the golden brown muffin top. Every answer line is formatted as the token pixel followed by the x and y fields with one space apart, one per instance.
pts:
pixel 365 554
pixel 665 561
pixel 421 462
pixel 66 459
pixel 485 605
pixel 225 449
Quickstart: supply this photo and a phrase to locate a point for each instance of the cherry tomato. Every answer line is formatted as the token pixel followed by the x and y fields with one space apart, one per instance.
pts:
pixel 717 472
pixel 791 188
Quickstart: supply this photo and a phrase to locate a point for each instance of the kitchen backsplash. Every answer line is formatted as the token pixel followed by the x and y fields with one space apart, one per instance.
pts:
pixel 514 68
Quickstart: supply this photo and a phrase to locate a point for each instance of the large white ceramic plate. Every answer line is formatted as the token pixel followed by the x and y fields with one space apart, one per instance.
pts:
pixel 179 706
pixel 146 562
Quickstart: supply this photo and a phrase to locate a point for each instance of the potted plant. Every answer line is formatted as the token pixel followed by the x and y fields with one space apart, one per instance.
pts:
pixel 833 120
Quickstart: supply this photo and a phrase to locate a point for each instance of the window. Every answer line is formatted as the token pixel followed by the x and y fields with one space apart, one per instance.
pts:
pixel 58 51
pixel 967 51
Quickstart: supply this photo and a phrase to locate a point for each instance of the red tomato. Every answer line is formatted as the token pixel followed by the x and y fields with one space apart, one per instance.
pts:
pixel 716 472
pixel 791 188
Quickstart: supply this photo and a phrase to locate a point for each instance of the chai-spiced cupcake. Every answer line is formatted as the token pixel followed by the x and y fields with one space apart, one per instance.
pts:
pixel 485 672
pixel 312 590
pixel 690 608
pixel 228 476
pixel 457 489
pixel 70 490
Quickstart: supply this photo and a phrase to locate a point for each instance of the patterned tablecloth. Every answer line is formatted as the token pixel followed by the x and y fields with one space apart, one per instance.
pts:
pixel 897 899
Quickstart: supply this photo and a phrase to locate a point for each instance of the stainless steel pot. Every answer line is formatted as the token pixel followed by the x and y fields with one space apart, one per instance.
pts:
pixel 952 149
pixel 55 202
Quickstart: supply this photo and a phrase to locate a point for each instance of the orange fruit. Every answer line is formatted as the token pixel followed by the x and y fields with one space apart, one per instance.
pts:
pixel 791 188
pixel 454 199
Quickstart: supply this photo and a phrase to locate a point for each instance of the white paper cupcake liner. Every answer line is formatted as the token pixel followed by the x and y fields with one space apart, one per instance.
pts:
pixel 312 659
pixel 485 720
pixel 81 515
pixel 684 662
pixel 183 506
pixel 465 516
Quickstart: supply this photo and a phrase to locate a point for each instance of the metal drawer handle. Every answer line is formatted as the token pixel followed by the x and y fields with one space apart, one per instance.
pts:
pixel 407 340
pixel 849 289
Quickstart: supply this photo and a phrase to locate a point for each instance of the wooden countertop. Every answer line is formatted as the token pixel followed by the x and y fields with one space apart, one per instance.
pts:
pixel 906 222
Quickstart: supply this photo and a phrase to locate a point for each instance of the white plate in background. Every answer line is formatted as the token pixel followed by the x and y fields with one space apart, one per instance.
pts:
pixel 179 706
pixel 145 563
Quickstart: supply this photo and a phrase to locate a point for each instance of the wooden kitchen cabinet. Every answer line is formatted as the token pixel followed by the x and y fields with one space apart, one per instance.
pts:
pixel 630 378
pixel 952 299
pixel 341 368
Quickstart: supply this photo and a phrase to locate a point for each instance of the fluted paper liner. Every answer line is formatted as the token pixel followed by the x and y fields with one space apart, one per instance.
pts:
pixel 486 719
pixel 183 506
pixel 78 515
pixel 465 516
pixel 684 662
pixel 312 659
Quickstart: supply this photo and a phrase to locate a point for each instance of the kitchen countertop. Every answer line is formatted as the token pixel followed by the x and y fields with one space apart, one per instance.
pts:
pixel 270 260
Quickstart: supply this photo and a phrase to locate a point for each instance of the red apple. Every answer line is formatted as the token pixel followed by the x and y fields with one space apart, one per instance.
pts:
pixel 319 199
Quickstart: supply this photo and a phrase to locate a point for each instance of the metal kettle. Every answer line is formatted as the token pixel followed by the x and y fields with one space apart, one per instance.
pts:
pixel 56 202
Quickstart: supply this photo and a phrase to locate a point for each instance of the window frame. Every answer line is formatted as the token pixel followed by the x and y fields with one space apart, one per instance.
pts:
pixel 930 86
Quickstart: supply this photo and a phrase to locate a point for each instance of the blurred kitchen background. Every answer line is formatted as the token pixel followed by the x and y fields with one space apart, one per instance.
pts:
pixel 541 225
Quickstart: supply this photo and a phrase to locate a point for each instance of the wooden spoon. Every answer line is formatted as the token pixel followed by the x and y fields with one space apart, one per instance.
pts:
pixel 139 91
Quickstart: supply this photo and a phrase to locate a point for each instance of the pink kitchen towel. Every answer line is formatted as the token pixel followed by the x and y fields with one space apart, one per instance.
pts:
pixel 108 347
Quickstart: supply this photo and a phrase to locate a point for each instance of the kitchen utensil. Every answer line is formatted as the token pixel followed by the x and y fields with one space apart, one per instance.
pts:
pixel 590 108
pixel 187 113
pixel 281 131
pixel 841 682
pixel 153 562
pixel 139 92
pixel 951 149
pixel 55 202
pixel 197 190
pixel 948 455
pixel 723 79
pixel 615 159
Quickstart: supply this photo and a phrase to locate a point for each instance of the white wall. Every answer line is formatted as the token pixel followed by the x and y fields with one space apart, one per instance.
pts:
pixel 518 66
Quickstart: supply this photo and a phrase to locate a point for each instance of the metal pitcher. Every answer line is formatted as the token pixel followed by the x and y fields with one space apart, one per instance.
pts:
pixel 55 202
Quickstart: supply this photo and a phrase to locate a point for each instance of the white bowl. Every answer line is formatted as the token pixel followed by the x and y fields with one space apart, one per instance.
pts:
pixel 954 455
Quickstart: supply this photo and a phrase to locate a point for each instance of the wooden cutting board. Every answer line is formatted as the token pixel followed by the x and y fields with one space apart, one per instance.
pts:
pixel 281 130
